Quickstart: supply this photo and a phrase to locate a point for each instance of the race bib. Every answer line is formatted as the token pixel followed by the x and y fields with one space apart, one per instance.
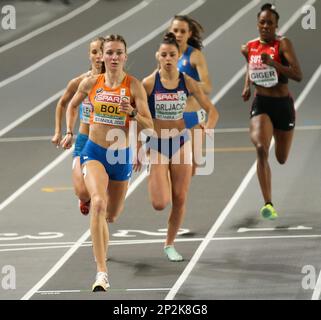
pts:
pixel 263 75
pixel 85 110
pixel 170 106
pixel 106 110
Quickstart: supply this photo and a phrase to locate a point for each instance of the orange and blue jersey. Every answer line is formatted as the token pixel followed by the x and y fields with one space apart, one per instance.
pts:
pixel 105 102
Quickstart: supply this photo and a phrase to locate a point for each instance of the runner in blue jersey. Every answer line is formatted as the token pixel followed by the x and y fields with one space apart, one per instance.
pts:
pixel 193 63
pixel 170 147
pixel 95 57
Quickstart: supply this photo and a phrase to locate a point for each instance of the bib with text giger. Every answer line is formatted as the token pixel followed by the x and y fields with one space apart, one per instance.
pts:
pixel 259 73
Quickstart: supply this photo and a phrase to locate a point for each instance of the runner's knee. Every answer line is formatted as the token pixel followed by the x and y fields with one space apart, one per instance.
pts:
pixel 179 199
pixel 281 158
pixel 99 204
pixel 160 204
pixel 262 151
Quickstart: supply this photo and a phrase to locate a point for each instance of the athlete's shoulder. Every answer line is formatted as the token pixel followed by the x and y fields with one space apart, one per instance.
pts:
pixel 149 82
pixel 188 79
pixel 285 44
pixel 284 40
pixel 89 82
pixel 253 41
pixel 196 53
pixel 150 78
pixel 280 37
pixel 76 81
pixel 93 78
pixel 132 80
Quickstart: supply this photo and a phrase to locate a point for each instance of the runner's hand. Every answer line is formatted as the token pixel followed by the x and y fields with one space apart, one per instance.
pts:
pixel 246 93
pixel 66 142
pixel 56 139
pixel 266 59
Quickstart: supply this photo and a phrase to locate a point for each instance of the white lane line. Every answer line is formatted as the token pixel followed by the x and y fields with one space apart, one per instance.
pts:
pixel 242 71
pixel 231 204
pixel 59 264
pixel 49 26
pixel 53 292
pixel 164 26
pixel 229 85
pixel 298 228
pixel 228 130
pixel 302 236
pixel 242 186
pixel 317 289
pixel 240 130
pixel 229 23
pixel 26 139
pixel 216 34
pixel 94 33
pixel 219 31
pixel 132 48
pixel 32 112
pixel 66 256
pixel 132 187
pixel 76 43
pixel 34 179
pixel 48 246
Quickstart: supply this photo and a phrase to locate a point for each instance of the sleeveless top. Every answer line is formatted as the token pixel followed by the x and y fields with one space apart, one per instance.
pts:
pixel 168 104
pixel 105 102
pixel 261 74
pixel 184 64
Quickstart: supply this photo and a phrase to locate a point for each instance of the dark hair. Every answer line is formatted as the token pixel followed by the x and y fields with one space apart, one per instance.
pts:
pixel 269 7
pixel 196 39
pixel 115 37
pixel 170 38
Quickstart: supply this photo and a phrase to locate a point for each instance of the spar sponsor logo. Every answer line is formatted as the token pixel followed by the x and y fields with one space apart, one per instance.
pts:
pixel 170 106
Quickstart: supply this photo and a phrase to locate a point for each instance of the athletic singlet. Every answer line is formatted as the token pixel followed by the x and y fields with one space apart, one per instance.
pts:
pixel 184 64
pixel 85 110
pixel 262 74
pixel 105 102
pixel 168 104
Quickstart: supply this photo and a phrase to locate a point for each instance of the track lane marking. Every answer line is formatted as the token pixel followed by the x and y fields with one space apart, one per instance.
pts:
pixel 220 220
pixel 48 26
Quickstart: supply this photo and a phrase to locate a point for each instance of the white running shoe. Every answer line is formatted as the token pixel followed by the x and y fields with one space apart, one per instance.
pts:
pixel 101 283
pixel 172 254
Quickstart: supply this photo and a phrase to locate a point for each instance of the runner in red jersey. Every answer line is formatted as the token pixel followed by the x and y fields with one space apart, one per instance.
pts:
pixel 271 61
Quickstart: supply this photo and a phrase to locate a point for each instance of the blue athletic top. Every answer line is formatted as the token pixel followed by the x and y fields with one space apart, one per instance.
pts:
pixel 168 104
pixel 184 64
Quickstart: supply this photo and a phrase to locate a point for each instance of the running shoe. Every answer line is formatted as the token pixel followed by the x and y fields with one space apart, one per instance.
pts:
pixel 268 212
pixel 101 283
pixel 172 254
pixel 84 207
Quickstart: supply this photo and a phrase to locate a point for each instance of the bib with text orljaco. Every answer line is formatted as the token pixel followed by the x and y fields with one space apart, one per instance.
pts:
pixel 105 102
pixel 260 73
pixel 168 104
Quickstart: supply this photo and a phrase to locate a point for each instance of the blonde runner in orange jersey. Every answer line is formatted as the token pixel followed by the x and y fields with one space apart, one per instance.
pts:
pixel 106 157
pixel 105 102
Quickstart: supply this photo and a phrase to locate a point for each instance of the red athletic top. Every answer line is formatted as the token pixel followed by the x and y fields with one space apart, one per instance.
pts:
pixel 262 74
